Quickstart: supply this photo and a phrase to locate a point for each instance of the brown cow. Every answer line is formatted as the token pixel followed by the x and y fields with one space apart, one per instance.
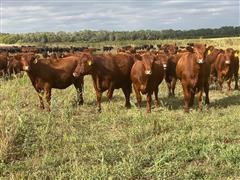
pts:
pixel 14 66
pixel 211 58
pixel 193 72
pixel 146 74
pixel 226 66
pixel 171 76
pixel 45 76
pixel 108 72
pixel 170 48
pixel 4 61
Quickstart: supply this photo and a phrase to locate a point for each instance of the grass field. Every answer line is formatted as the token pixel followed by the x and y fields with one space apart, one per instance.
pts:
pixel 74 142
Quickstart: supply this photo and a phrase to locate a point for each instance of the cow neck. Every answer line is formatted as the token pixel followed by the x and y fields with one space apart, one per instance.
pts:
pixel 145 79
pixel 35 68
pixel 97 67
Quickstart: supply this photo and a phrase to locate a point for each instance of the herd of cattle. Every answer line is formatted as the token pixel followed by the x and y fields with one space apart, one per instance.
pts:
pixel 143 67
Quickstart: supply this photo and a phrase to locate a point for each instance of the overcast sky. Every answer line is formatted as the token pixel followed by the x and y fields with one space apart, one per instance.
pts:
pixel 62 15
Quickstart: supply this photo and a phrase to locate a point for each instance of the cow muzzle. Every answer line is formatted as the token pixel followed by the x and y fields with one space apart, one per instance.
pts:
pixel 200 61
pixel 26 68
pixel 75 74
pixel 164 66
pixel 148 72
pixel 227 62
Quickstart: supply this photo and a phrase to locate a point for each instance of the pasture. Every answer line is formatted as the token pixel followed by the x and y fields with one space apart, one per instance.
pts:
pixel 77 142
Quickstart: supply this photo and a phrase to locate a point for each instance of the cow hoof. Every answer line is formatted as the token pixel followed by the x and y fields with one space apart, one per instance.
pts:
pixel 128 106
pixel 80 103
pixel 41 107
pixel 156 103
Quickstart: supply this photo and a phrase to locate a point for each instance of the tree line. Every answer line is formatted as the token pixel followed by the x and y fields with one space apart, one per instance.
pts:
pixel 100 36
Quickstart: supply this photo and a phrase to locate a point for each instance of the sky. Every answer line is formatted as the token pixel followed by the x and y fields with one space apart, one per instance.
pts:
pixel 21 16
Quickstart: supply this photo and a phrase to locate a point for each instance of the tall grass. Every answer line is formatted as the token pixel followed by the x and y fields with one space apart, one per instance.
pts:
pixel 218 42
pixel 74 142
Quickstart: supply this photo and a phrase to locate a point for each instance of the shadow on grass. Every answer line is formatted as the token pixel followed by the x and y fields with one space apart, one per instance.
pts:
pixel 226 101
pixel 104 99
pixel 172 103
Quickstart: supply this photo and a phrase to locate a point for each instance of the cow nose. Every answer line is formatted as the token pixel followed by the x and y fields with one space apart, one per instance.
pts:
pixel 164 66
pixel 200 61
pixel 75 74
pixel 148 72
pixel 227 62
pixel 26 68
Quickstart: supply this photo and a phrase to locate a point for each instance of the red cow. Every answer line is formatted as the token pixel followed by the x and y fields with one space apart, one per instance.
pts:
pixel 171 76
pixel 45 76
pixel 226 66
pixel 193 72
pixel 146 74
pixel 108 72
pixel 211 57
pixel 4 60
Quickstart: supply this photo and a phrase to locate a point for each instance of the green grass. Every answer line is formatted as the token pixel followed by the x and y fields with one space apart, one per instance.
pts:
pixel 79 143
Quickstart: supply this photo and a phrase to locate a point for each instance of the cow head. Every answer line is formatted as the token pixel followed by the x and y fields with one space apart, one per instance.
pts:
pixel 26 59
pixel 230 53
pixel 147 60
pixel 164 59
pixel 84 65
pixel 226 58
pixel 199 50
pixel 170 48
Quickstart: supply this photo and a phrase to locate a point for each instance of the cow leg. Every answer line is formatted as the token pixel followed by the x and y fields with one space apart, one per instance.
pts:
pixel 149 101
pixel 40 95
pixel 187 97
pixel 206 90
pixel 200 100
pixel 48 97
pixel 229 83
pixel 220 81
pixel 192 94
pixel 99 98
pixel 79 87
pixel 236 80
pixel 169 87
pixel 110 92
pixel 127 93
pixel 156 102
pixel 213 74
pixel 173 85
pixel 138 95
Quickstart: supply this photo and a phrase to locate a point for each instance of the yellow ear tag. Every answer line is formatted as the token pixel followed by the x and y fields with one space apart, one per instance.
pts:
pixel 89 62
pixel 209 52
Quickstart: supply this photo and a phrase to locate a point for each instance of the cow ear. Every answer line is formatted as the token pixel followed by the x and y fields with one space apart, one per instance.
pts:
pixel 138 57
pixel 190 44
pixel 189 48
pixel 236 53
pixel 35 61
pixel 209 52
